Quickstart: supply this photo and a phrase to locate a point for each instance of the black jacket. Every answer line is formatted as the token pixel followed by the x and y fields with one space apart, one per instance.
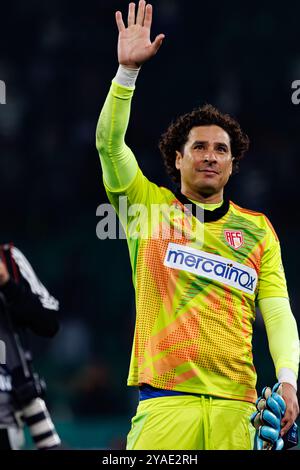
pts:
pixel 24 304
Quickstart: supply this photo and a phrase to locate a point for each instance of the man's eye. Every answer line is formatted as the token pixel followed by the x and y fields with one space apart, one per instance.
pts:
pixel 222 149
pixel 199 146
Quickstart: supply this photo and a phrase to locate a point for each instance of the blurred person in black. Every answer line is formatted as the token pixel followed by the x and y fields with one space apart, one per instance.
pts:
pixel 24 304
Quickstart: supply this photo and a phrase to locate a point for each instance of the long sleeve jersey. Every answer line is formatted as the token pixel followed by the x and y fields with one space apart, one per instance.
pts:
pixel 196 296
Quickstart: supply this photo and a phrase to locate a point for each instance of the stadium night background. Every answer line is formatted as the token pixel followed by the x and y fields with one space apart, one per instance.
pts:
pixel 57 60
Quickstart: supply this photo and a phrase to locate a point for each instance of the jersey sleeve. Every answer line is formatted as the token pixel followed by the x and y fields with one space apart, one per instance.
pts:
pixel 139 191
pixel 46 300
pixel 124 182
pixel 118 162
pixel 282 332
pixel 272 281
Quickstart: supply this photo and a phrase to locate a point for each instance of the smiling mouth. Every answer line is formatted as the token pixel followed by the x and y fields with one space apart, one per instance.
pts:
pixel 213 172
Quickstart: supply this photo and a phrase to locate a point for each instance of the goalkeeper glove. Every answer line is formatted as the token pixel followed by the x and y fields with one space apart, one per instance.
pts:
pixel 267 419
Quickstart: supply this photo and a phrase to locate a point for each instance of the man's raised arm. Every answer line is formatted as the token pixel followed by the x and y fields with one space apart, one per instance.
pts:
pixel 134 48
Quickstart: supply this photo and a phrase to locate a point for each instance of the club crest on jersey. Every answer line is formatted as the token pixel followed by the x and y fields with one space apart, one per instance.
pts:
pixel 234 238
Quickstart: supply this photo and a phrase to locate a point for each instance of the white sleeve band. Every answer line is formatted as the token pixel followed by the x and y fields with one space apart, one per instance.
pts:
pixel 288 376
pixel 126 76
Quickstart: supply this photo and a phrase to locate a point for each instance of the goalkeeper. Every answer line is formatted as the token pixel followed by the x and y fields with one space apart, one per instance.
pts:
pixel 201 265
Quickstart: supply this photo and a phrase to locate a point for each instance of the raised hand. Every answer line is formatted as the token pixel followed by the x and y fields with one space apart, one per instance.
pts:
pixel 134 45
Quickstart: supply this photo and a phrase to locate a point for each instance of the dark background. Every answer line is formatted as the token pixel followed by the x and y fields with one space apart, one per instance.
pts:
pixel 57 59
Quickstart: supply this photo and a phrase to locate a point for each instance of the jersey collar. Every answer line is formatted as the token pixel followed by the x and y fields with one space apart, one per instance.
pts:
pixel 209 216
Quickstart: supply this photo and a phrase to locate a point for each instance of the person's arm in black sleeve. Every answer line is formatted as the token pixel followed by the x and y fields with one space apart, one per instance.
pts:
pixel 29 303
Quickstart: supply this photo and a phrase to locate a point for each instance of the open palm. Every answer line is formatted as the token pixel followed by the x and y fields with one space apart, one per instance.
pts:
pixel 135 46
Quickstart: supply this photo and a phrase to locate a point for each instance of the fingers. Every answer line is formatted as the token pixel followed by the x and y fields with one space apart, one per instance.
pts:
pixel 279 444
pixel 287 424
pixel 119 21
pixel 277 408
pixel 268 434
pixel 141 13
pixel 266 392
pixel 148 16
pixel 270 419
pixel 290 415
pixel 157 42
pixel 287 421
pixel 131 14
pixel 280 401
pixel 143 17
pixel 260 404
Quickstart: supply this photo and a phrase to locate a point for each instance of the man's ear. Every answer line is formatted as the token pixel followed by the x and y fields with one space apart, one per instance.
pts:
pixel 178 160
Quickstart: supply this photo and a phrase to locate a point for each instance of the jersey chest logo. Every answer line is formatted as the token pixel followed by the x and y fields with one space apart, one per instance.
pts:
pixel 234 238
pixel 211 266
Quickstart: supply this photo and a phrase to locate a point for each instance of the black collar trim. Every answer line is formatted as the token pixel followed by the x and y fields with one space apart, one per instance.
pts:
pixel 209 216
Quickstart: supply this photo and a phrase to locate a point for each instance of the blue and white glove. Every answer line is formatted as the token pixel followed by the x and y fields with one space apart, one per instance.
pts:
pixel 267 419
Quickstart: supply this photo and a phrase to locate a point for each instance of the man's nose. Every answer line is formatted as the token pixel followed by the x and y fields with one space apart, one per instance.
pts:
pixel 210 155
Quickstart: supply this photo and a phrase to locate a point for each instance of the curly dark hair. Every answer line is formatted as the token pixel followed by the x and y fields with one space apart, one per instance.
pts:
pixel 177 135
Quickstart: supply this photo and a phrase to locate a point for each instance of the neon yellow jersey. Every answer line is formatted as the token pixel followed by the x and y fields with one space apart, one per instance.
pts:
pixel 195 299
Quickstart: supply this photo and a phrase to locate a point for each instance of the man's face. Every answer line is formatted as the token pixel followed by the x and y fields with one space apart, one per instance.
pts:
pixel 206 162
